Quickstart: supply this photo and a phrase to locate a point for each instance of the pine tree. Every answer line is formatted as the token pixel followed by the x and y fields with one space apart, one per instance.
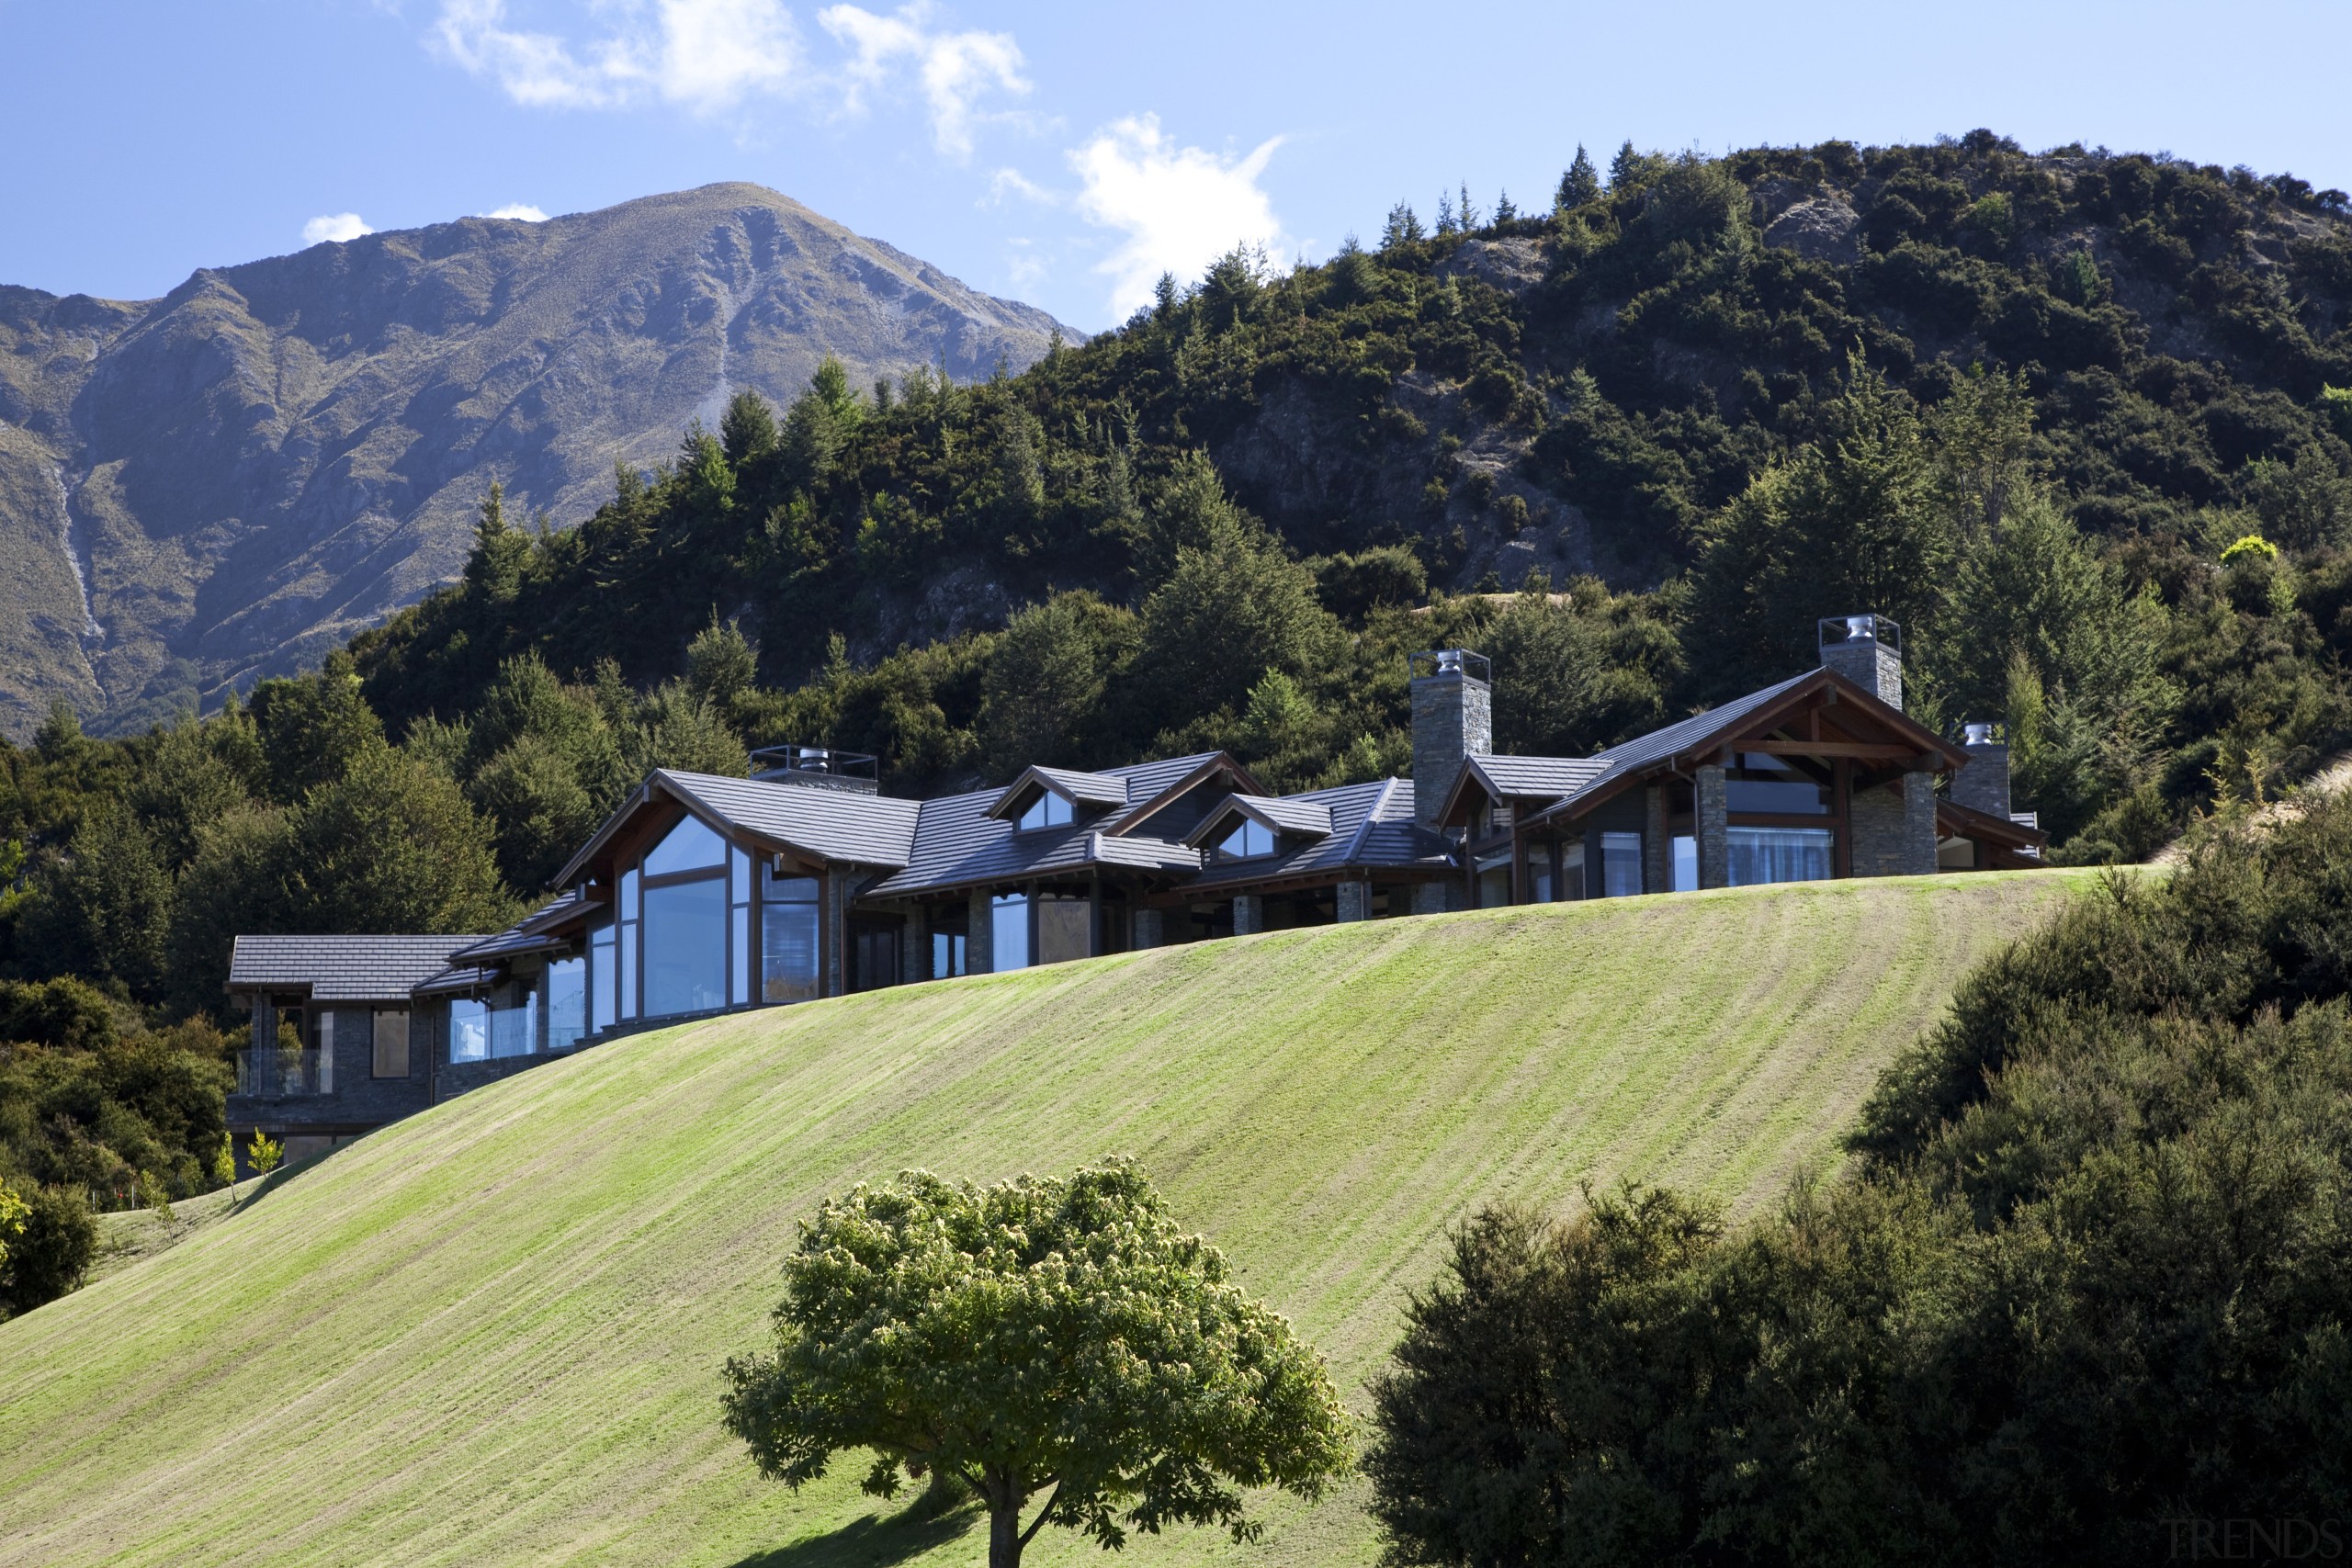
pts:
pixel 1580 185
pixel 1504 211
pixel 1403 228
pixel 1445 224
pixel 1626 166
pixel 1471 216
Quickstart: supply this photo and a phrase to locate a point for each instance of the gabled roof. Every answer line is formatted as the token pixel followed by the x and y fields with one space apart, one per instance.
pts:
pixel 340 968
pixel 825 824
pixel 1154 786
pixel 1372 830
pixel 960 841
pixel 1543 779
pixel 1706 732
pixel 1298 814
pixel 533 933
pixel 1954 820
pixel 1098 790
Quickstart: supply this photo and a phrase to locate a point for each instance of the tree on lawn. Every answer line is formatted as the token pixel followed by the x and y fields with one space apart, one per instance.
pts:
pixel 1057 1336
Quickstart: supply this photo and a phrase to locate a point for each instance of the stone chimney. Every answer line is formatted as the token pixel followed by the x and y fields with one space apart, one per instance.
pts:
pixel 1867 650
pixel 1984 784
pixel 1453 716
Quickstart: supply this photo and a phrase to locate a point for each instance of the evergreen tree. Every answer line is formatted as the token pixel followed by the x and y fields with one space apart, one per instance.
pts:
pixel 1625 168
pixel 495 570
pixel 1046 674
pixel 1580 185
pixel 1401 229
pixel 104 910
pixel 310 727
pixel 393 846
pixel 748 429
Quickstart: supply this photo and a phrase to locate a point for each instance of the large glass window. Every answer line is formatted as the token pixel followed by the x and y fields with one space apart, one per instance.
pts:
pixel 515 1020
pixel 1049 810
pixel 567 984
pixel 689 846
pixel 1008 932
pixel 946 954
pixel 1572 871
pixel 1772 784
pixel 468 1030
pixel 391 1042
pixel 1620 865
pixel 1064 930
pixel 1686 863
pixel 686 947
pixel 628 942
pixel 1779 855
pixel 787 937
pixel 739 927
pixel 603 974
pixel 1248 839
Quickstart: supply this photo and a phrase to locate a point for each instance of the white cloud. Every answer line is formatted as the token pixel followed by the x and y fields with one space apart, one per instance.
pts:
pixel 1180 208
pixel 704 55
pixel 520 211
pixel 334 227
pixel 955 70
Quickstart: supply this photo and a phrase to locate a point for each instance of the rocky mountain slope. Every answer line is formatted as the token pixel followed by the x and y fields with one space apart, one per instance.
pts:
pixel 198 490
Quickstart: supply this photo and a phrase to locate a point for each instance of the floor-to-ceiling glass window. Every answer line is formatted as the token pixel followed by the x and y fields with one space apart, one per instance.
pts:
pixel 788 971
pixel 1686 863
pixel 626 967
pixel 1779 855
pixel 739 927
pixel 1620 865
pixel 603 976
pixel 567 986
pixel 1065 929
pixel 468 1030
pixel 683 922
pixel 1008 932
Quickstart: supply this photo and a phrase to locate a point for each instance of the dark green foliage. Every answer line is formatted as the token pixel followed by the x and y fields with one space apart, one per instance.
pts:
pixel 91 1097
pixel 1580 185
pixel 50 1256
pixel 2087 1280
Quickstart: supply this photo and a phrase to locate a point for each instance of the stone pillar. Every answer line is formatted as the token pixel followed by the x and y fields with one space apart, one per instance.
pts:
pixel 1893 828
pixel 1713 827
pixel 1430 897
pixel 1149 928
pixel 1984 784
pixel 1355 902
pixel 1454 716
pixel 1248 913
pixel 979 936
pixel 834 917
pixel 1918 824
pixel 914 950
pixel 1657 849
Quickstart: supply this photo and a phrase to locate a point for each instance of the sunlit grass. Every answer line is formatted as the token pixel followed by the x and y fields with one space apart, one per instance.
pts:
pixel 491 1333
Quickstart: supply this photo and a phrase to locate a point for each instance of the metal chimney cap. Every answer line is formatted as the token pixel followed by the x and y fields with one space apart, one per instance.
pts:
pixel 1454 663
pixel 1838 630
pixel 1980 732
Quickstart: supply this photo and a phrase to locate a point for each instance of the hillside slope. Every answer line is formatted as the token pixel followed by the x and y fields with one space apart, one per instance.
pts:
pixel 492 1334
pixel 277 454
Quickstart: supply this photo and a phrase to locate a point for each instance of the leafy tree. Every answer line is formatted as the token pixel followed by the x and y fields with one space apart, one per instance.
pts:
pixel 311 727
pixel 1847 526
pixel 677 730
pixel 13 1210
pixel 104 909
pixel 263 1153
pixel 52 1252
pixel 1056 1336
pixel 241 879
pixel 1045 678
pixel 722 664
pixel 1231 611
pixel 1579 185
pixel 393 846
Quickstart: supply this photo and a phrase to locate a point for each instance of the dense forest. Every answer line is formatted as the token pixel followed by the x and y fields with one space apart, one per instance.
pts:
pixel 2081 423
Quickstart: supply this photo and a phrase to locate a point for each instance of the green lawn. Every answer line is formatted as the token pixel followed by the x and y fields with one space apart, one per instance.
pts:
pixel 492 1334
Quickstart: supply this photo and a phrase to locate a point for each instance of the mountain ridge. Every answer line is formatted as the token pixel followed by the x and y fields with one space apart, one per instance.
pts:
pixel 276 453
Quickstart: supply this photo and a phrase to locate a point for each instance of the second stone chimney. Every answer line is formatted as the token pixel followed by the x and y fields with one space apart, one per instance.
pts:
pixel 1453 716
pixel 1984 784
pixel 1867 650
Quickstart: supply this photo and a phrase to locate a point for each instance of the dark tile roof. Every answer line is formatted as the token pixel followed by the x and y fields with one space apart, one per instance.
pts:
pixel 340 968
pixel 458 977
pixel 1660 745
pixel 1553 778
pixel 832 824
pixel 532 932
pixel 1304 815
pixel 957 842
pixel 1086 789
pixel 1372 830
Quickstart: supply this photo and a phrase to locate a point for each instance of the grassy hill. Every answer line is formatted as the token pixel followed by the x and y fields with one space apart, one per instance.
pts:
pixel 492 1334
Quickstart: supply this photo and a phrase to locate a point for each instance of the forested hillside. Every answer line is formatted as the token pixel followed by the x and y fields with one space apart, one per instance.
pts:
pixel 2077 421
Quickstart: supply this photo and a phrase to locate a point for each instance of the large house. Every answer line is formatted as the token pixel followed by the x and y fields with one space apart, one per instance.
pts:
pixel 702 895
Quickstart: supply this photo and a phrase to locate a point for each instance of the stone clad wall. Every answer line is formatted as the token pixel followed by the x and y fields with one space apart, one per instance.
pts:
pixel 1894 828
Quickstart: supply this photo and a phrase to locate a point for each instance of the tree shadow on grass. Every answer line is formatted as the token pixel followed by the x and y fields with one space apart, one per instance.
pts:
pixel 874 1542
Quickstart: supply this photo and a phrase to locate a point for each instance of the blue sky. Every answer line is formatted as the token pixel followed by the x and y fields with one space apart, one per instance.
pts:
pixel 1060 153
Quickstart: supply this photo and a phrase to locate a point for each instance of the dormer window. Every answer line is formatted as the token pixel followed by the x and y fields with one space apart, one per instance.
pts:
pixel 1248 839
pixel 1049 810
